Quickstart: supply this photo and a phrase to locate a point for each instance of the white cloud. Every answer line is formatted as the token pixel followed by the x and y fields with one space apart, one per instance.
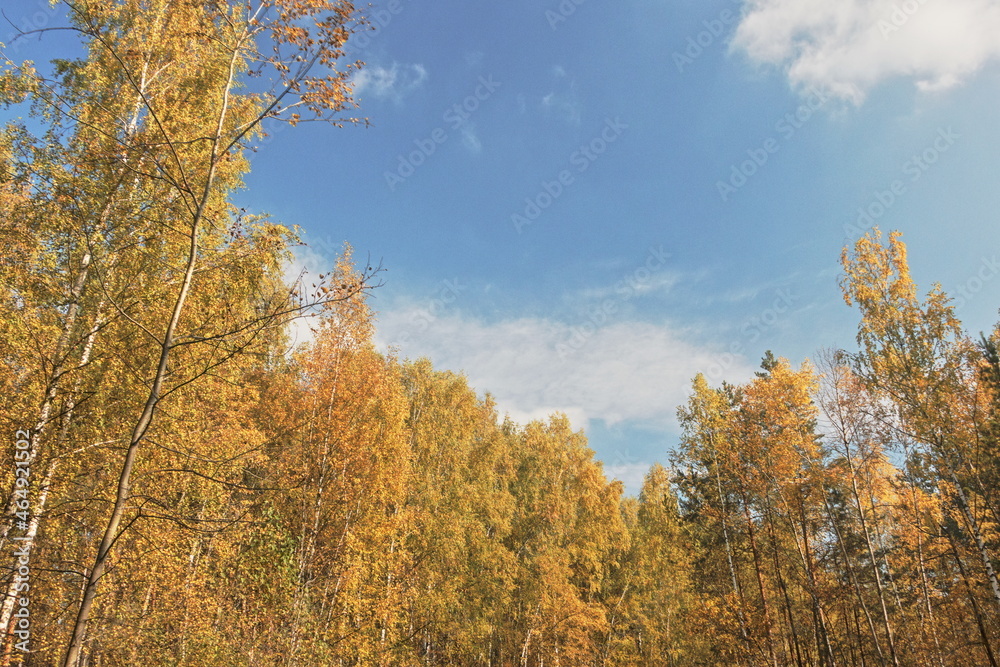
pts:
pixel 658 283
pixel 564 104
pixel 631 474
pixel 564 101
pixel 470 138
pixel 620 372
pixel 393 83
pixel 848 47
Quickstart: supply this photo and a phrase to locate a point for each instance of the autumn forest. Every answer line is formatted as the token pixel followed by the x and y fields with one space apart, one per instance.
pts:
pixel 183 486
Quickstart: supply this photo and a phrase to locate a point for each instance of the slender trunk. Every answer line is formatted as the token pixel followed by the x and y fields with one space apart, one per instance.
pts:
pixel 307 549
pixel 527 642
pixel 879 587
pixel 823 645
pixel 125 478
pixel 142 621
pixel 145 419
pixel 61 354
pixel 929 620
pixel 789 611
pixel 970 519
pixel 861 648
pixel 737 589
pixel 27 542
pixel 820 631
pixel 854 646
pixel 972 598
pixel 60 365
pixel 855 584
pixel 925 591
pixel 758 568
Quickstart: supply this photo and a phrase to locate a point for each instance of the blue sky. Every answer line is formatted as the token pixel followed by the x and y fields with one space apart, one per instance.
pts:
pixel 581 205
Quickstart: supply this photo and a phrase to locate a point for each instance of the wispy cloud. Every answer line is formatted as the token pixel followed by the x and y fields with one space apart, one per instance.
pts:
pixel 470 138
pixel 657 284
pixel 564 104
pixel 563 100
pixel 630 372
pixel 392 83
pixel 851 46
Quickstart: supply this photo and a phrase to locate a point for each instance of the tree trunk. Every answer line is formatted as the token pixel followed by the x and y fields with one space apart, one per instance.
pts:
pixel 758 567
pixel 972 598
pixel 855 584
pixel 874 561
pixel 977 535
